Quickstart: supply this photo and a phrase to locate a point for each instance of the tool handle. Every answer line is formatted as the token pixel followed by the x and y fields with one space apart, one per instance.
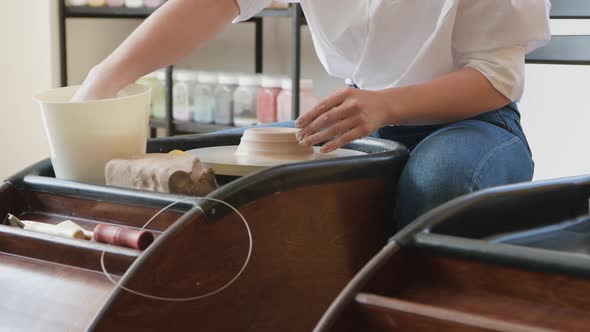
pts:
pixel 123 236
pixel 53 230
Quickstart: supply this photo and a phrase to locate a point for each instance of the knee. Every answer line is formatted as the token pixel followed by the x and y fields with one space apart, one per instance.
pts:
pixel 456 162
pixel 436 174
pixel 433 175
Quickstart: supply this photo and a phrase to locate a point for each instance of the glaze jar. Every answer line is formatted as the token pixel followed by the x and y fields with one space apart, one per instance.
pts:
pixel 245 101
pixel 224 97
pixel 307 100
pixel 266 99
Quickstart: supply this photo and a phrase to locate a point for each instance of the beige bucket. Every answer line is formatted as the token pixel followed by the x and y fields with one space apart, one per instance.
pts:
pixel 84 136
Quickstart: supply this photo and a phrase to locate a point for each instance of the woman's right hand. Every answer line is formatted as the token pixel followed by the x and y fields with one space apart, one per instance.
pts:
pixel 95 87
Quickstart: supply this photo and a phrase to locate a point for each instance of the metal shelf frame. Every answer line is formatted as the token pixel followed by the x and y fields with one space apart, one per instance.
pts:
pixel 171 126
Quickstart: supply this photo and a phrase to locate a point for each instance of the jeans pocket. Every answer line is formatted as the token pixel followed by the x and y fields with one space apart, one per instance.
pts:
pixel 503 122
pixel 522 135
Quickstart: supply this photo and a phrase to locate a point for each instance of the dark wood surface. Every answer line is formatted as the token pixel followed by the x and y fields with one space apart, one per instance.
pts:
pixel 52 209
pixel 42 296
pixel 390 314
pixel 419 291
pixel 98 211
pixel 73 252
pixel 49 283
pixel 308 243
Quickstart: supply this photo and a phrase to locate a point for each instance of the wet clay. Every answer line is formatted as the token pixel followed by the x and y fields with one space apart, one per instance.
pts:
pixel 273 143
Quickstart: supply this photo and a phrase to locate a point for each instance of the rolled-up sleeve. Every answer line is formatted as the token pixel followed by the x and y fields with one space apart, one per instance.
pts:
pixel 494 37
pixel 249 8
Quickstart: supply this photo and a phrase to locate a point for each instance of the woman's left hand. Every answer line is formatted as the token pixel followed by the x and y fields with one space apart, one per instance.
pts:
pixel 343 117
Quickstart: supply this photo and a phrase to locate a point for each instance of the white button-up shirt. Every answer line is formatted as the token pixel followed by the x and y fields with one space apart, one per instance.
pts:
pixel 381 44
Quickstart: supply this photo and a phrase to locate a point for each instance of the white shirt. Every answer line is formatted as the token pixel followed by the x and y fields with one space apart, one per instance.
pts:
pixel 381 44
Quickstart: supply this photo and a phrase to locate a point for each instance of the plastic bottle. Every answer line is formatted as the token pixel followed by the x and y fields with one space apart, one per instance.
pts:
pixel 115 3
pixel 307 100
pixel 183 85
pixel 77 3
pixel 153 3
pixel 266 99
pixel 156 81
pixel 96 3
pixel 224 98
pixel 134 3
pixel 204 98
pixel 245 100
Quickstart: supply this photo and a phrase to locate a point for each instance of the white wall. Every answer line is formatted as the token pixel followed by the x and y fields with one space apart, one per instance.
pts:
pixel 27 64
pixel 556 114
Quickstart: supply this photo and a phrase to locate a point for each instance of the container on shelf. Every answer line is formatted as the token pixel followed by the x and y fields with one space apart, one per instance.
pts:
pixel 266 99
pixel 76 2
pixel 204 98
pixel 97 3
pixel 134 3
pixel 153 3
pixel 184 81
pixel 278 4
pixel 224 97
pixel 115 3
pixel 245 100
pixel 156 82
pixel 307 100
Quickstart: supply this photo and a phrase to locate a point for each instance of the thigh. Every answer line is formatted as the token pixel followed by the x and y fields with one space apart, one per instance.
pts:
pixel 240 130
pixel 457 159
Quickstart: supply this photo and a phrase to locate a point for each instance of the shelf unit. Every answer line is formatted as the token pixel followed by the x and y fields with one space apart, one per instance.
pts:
pixel 172 126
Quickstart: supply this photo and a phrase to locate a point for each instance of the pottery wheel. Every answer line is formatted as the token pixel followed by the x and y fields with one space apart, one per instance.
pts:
pixel 261 148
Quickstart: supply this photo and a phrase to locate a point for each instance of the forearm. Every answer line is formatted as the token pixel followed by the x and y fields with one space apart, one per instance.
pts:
pixel 456 96
pixel 167 36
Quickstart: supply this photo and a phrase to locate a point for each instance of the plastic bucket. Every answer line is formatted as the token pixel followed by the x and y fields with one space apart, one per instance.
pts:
pixel 84 136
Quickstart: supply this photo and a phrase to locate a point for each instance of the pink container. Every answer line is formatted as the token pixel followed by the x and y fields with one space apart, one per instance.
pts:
pixel 307 100
pixel 266 99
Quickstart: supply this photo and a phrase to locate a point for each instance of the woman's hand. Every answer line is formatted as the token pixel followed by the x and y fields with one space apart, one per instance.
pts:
pixel 343 117
pixel 96 88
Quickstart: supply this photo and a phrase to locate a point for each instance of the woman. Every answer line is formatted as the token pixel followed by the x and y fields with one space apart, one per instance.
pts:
pixel 440 76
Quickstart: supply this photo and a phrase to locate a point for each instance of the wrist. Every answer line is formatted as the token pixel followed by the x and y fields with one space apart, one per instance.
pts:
pixel 99 84
pixel 395 106
pixel 107 78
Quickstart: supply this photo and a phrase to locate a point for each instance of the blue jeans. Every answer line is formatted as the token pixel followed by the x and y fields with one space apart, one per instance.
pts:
pixel 450 160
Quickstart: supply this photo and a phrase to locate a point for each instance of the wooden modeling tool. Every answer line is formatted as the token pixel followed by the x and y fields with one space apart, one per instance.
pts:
pixel 49 229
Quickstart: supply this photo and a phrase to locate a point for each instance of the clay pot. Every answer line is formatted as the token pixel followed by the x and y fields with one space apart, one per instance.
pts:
pixel 272 143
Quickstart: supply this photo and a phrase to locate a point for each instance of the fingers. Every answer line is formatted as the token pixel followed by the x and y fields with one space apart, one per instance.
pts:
pixel 325 120
pixel 324 106
pixel 347 137
pixel 335 129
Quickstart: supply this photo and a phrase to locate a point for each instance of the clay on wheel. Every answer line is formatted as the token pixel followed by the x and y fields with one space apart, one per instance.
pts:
pixel 165 173
pixel 272 143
